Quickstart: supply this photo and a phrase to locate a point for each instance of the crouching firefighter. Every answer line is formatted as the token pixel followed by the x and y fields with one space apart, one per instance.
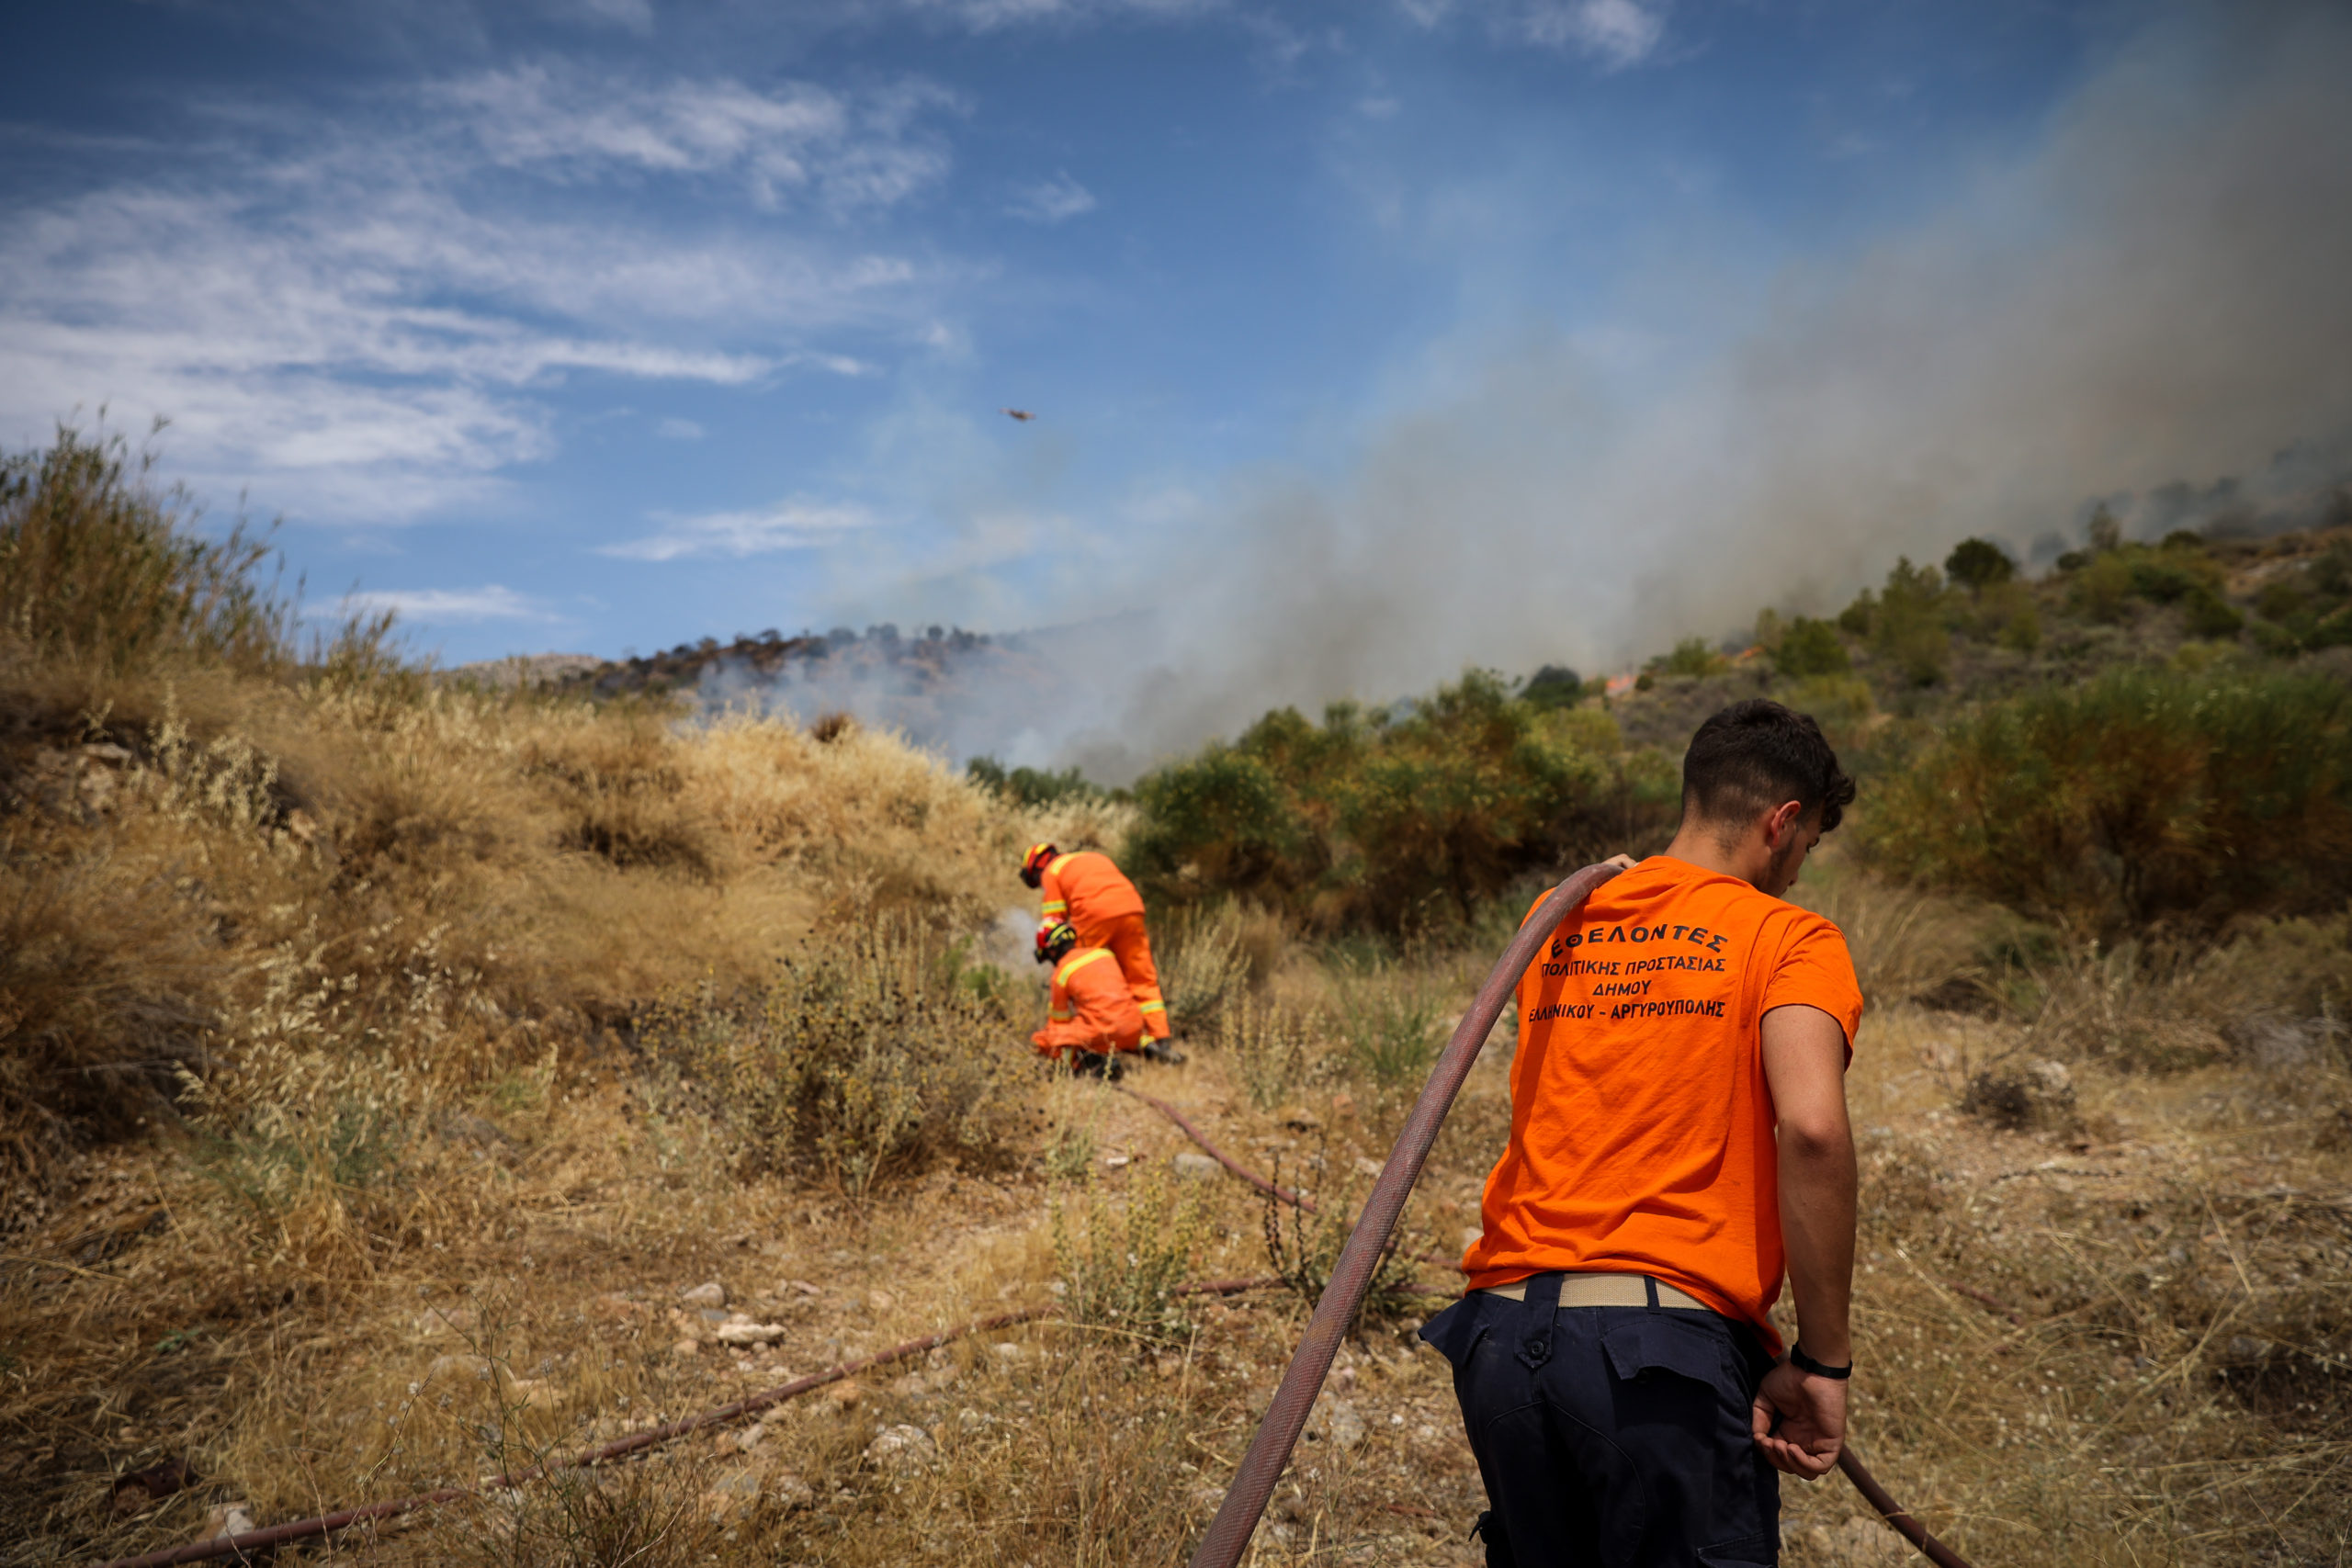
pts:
pixel 1090 892
pixel 1091 1022
pixel 1093 1019
pixel 1678 1144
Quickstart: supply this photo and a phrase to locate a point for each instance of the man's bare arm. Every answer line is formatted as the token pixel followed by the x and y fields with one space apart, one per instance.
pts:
pixel 1800 1419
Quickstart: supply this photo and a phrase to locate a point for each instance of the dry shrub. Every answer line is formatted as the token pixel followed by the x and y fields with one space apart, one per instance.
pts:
pixel 1388 1015
pixel 2272 995
pixel 99 567
pixel 1204 962
pixel 1120 1261
pixel 106 992
pixel 1906 944
pixel 1272 1047
pixel 860 1061
pixel 622 791
pixel 1304 1248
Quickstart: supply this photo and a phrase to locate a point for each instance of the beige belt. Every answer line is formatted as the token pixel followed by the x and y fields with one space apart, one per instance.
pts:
pixel 1607 1291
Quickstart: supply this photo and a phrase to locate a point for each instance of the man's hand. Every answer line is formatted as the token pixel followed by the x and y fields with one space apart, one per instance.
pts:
pixel 1799 1421
pixel 1623 863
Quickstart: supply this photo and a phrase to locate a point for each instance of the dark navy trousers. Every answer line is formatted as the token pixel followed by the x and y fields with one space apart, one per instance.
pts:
pixel 1612 1437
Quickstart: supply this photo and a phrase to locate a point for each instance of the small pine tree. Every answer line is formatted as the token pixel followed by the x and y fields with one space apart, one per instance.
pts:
pixel 1979 564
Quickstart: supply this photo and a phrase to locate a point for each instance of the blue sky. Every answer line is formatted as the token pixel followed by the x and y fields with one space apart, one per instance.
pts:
pixel 597 324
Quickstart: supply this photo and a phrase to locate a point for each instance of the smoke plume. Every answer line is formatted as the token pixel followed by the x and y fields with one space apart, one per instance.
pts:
pixel 2144 310
pixel 2148 310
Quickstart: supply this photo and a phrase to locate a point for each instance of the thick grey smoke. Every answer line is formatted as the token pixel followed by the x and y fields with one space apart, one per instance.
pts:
pixel 2147 310
pixel 2151 310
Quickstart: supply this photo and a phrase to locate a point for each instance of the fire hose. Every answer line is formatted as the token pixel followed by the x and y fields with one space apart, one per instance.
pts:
pixel 1278 1431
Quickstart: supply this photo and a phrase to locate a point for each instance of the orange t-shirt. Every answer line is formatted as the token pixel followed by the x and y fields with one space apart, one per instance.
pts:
pixel 1641 1125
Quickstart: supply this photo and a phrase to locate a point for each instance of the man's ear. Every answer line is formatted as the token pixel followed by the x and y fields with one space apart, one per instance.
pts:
pixel 1783 822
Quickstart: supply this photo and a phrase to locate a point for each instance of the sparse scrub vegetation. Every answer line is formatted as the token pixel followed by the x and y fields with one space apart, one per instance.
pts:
pixel 860 1062
pixel 2137 796
pixel 1373 820
pixel 383 1059
pixel 1304 1248
pixel 1121 1262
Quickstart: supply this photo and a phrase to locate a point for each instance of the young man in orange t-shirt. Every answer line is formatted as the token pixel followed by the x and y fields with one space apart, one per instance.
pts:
pixel 1678 1143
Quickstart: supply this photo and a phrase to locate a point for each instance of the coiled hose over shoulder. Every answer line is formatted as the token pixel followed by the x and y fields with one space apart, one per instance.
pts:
pixel 1253 1482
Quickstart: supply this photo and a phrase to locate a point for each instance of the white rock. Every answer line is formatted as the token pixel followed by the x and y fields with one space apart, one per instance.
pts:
pixel 900 1448
pixel 1192 1165
pixel 1341 1426
pixel 749 1333
pixel 712 1294
pixel 229 1519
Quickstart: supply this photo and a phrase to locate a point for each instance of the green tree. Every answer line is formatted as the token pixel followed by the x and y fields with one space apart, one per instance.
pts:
pixel 1977 564
pixel 1554 686
pixel 1810 648
pixel 1908 632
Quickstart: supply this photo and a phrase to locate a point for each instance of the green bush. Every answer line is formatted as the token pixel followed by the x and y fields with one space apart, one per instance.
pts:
pixel 1223 822
pixel 2136 795
pixel 1810 648
pixel 1385 822
pixel 1121 1269
pixel 1031 786
pixel 2101 590
pixel 1908 630
pixel 1692 656
pixel 2310 608
pixel 2210 615
pixel 1978 564
pixel 1554 686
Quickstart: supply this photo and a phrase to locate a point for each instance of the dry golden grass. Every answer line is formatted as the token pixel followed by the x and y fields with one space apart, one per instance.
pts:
pixel 423 1203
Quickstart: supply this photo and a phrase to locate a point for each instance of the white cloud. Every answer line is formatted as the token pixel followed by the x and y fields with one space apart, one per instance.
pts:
pixel 631 16
pixel 679 430
pixel 987 15
pixel 444 605
pixel 857 151
pixel 362 322
pixel 1619 33
pixel 1622 32
pixel 796 523
pixel 1051 201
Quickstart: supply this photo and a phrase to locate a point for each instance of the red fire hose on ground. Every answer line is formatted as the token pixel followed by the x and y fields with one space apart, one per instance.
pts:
pixel 1269 1449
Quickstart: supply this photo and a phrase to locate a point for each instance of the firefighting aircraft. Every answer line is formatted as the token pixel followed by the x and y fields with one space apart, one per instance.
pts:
pixel 1024 415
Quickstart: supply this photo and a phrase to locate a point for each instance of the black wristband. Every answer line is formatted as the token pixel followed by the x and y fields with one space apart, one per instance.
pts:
pixel 1807 1364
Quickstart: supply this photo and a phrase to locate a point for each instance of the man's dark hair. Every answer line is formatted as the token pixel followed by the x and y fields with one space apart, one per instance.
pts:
pixel 1755 754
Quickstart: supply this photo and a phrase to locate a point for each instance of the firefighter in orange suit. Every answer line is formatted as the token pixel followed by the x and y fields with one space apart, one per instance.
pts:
pixel 1092 1018
pixel 1094 897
